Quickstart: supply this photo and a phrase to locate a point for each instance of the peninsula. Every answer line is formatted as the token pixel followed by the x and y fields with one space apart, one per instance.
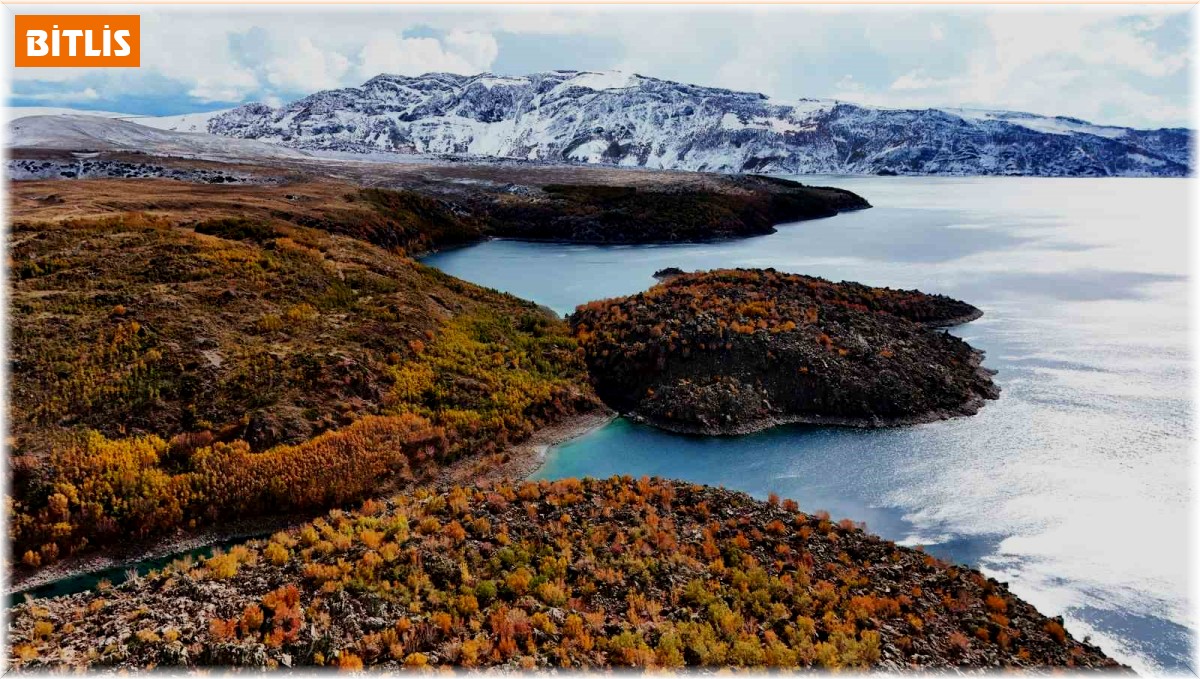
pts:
pixel 735 351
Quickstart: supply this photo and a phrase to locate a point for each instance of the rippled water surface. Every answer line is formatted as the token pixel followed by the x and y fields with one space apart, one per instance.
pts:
pixel 1073 487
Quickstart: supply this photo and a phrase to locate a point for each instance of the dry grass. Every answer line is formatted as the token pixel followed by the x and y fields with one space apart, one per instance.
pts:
pixel 176 200
pixel 210 323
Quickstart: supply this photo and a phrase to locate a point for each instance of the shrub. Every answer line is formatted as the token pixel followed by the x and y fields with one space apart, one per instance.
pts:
pixel 996 604
pixel 1056 631
pixel 237 229
pixel 958 643
pixel 348 662
pixel 276 553
pixel 560 597
pixel 485 591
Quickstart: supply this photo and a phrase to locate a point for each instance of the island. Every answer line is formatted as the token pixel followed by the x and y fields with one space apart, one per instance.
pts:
pixel 738 350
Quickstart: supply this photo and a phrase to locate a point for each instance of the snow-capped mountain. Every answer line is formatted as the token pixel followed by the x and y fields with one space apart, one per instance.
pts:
pixel 632 120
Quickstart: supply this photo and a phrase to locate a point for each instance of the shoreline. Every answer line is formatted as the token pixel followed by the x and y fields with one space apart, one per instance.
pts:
pixel 969 407
pixel 956 321
pixel 523 459
pixel 421 255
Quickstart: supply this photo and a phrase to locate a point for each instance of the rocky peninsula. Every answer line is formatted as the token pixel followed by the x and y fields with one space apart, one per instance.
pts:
pixel 735 351
pixel 572 574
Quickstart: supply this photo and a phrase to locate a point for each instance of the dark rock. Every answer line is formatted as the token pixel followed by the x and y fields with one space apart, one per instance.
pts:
pixel 669 272
pixel 733 351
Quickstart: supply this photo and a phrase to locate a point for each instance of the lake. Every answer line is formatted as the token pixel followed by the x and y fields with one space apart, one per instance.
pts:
pixel 1073 487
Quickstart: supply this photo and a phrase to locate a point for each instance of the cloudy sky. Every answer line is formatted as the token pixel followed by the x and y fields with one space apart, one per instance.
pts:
pixel 1126 66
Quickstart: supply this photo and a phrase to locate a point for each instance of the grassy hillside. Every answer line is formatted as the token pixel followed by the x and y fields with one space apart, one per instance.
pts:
pixel 416 216
pixel 187 357
pixel 570 574
pixel 169 373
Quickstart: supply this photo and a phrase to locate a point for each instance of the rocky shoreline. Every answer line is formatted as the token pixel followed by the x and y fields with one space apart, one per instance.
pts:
pixel 473 577
pixel 967 409
pixel 955 320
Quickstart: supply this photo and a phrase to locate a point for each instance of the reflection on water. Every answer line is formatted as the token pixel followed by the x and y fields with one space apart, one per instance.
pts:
pixel 1073 487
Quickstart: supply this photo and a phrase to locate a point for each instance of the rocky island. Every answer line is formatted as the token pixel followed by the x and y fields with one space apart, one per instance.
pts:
pixel 735 351
pixel 567 574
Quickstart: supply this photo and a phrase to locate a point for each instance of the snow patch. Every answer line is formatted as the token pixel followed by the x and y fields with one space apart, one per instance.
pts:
pixel 589 152
pixel 12 113
pixel 187 122
pixel 491 81
pixel 604 80
pixel 1061 126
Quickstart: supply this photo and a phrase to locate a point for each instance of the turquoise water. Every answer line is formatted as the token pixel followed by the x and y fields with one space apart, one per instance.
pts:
pixel 116 575
pixel 1074 487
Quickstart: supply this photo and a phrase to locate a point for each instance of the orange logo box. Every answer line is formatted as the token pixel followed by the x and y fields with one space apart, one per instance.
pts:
pixel 78 40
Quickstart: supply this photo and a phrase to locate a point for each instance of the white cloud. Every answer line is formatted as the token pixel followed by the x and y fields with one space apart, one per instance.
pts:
pixel 917 80
pixel 305 66
pixel 851 90
pixel 194 49
pixel 751 70
pixel 476 48
pixel 220 57
pixel 849 84
pixel 232 86
pixel 761 43
pixel 1086 64
pixel 69 97
pixel 1102 63
pixel 461 52
pixel 1093 38
pixel 1093 65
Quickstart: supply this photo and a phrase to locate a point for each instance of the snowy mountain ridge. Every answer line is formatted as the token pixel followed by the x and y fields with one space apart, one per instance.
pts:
pixel 633 120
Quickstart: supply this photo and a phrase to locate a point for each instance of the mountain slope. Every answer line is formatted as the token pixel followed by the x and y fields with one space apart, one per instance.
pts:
pixel 185 122
pixel 633 120
pixel 11 113
pixel 96 133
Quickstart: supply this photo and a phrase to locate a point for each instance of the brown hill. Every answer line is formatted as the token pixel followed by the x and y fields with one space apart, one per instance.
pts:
pixel 569 574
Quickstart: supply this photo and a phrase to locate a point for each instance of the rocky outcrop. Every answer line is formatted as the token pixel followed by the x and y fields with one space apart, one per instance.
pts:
pixel 734 351
pixel 26 169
